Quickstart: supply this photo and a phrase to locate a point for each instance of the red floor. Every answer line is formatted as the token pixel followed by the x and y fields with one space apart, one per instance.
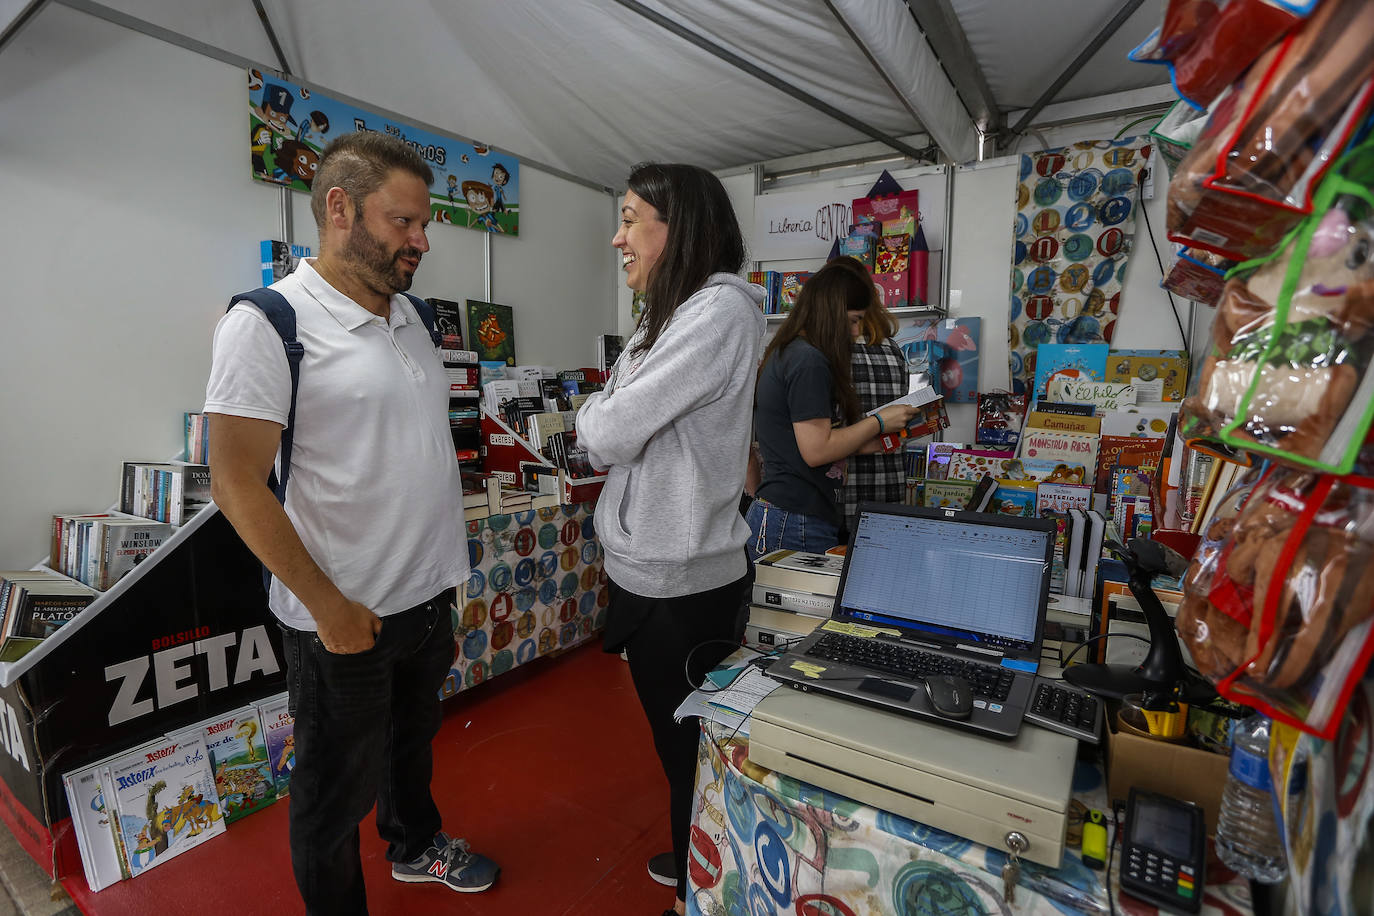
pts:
pixel 549 770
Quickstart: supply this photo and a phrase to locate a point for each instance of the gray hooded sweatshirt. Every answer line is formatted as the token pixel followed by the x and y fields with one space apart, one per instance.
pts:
pixel 673 427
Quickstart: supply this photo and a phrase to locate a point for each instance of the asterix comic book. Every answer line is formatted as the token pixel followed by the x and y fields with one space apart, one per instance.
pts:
pixel 279 728
pixel 164 800
pixel 239 758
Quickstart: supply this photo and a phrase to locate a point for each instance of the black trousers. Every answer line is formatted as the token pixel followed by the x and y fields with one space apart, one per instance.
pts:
pixel 658 636
pixel 364 724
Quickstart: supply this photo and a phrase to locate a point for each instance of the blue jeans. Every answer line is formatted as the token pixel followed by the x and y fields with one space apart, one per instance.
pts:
pixel 774 528
pixel 364 724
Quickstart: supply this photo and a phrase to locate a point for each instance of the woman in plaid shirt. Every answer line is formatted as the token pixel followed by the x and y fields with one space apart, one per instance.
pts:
pixel 879 373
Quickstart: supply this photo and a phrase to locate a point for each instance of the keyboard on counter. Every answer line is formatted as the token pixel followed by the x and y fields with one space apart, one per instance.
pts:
pixel 990 682
pixel 1065 709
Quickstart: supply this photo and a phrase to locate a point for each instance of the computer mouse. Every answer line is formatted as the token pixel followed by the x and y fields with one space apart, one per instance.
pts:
pixel 950 696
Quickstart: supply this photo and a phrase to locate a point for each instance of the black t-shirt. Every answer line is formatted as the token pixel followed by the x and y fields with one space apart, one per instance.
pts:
pixel 795 386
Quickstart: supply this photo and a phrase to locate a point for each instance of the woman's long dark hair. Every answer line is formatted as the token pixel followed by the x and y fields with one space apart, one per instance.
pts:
pixel 821 317
pixel 703 238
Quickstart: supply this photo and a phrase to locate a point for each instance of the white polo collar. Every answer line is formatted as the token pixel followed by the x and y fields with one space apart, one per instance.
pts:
pixel 349 314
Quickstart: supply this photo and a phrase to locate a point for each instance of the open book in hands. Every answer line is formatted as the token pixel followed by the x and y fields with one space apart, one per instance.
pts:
pixel 930 417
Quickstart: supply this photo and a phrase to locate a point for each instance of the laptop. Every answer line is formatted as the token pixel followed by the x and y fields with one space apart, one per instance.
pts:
pixel 942 590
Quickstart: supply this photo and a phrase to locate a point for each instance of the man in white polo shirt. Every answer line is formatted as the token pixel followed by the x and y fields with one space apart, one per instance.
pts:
pixel 370 545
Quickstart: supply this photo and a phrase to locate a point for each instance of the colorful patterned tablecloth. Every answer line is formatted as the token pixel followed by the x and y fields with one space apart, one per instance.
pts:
pixel 764 844
pixel 537 586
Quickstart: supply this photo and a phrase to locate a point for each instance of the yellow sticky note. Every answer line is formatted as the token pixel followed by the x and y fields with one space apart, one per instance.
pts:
pixel 855 629
pixel 808 669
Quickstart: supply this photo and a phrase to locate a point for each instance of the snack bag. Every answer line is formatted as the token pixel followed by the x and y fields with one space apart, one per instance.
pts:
pixel 1288 376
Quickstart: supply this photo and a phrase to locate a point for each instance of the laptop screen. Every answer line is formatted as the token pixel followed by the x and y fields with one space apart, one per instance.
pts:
pixel 980 582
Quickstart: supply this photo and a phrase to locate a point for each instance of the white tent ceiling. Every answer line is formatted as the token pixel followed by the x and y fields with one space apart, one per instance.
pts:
pixel 589 87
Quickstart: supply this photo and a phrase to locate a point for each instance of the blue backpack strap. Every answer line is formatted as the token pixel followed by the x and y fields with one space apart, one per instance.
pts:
pixel 422 308
pixel 283 317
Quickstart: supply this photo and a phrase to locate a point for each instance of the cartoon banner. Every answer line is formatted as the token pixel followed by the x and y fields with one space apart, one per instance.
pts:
pixel 1074 222
pixel 288 126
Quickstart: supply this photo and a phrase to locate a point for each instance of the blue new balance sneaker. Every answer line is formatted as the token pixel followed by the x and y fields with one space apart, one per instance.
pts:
pixel 451 863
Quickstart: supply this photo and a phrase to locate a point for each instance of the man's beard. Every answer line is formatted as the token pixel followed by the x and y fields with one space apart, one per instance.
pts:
pixel 379 269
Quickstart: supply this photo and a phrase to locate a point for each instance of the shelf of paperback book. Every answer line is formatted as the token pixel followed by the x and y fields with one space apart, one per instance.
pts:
pixel 905 311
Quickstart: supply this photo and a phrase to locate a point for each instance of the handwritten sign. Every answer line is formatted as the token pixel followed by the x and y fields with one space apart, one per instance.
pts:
pixel 1105 395
pixel 799 224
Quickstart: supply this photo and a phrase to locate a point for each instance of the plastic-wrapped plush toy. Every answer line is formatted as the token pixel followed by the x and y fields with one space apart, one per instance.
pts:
pixel 1293 341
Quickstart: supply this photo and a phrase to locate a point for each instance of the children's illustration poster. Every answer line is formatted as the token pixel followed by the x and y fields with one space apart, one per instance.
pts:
pixel 1075 218
pixel 947 351
pixel 290 124
pixel 491 331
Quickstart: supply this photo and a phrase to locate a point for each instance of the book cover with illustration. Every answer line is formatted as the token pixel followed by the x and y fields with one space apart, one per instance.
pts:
pixel 1085 361
pixel 1165 369
pixel 1059 498
pixel 491 331
pixel 1069 448
pixel 1014 497
pixel 237 745
pixel 277 259
pixel 972 464
pixel 791 283
pixel 448 321
pixel 956 357
pixel 164 800
pixel 947 494
pixel 279 726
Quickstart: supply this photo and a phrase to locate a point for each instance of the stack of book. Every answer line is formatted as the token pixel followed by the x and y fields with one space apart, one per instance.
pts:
pixel 464 397
pixel 169 492
pixel 139 808
pixel 794 592
pixel 197 438
pixel 101 548
pixel 34 603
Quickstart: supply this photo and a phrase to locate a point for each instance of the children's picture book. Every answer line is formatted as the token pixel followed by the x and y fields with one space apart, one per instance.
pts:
pixel 1083 361
pixel 1059 498
pixel 491 331
pixel 448 321
pixel 164 800
pixel 1125 451
pixel 1168 368
pixel 792 281
pixel 957 365
pixel 1102 395
pixel 278 259
pixel 238 753
pixel 1069 448
pixel 1014 497
pixel 860 247
pixel 972 464
pixel 1066 423
pixel 1042 470
pixel 1145 420
pixel 947 494
pixel 937 459
pixel 278 728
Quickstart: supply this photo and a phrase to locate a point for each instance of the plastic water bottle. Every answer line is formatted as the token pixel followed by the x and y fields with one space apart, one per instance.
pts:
pixel 1247 838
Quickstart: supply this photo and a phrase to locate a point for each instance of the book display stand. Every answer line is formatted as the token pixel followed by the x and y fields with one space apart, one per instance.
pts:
pixel 188 635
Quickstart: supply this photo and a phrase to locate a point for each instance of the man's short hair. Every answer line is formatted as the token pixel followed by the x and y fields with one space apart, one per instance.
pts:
pixel 359 162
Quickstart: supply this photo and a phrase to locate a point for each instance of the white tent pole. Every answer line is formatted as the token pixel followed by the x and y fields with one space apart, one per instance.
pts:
pixel 272 37
pixel 16 23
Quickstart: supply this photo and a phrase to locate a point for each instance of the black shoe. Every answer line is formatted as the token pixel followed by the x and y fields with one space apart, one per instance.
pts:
pixel 663 869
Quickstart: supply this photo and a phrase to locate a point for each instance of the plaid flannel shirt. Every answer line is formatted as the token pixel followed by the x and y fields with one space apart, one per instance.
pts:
pixel 880 375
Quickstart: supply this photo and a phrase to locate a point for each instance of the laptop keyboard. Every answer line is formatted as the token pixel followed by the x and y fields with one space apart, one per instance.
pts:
pixel 989 682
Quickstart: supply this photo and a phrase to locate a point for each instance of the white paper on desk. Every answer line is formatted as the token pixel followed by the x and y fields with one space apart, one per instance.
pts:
pixel 732 705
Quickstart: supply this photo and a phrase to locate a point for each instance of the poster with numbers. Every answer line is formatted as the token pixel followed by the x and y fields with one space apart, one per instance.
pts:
pixel 1075 217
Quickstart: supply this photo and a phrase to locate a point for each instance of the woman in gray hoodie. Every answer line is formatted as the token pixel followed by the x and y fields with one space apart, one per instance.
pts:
pixel 672 428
